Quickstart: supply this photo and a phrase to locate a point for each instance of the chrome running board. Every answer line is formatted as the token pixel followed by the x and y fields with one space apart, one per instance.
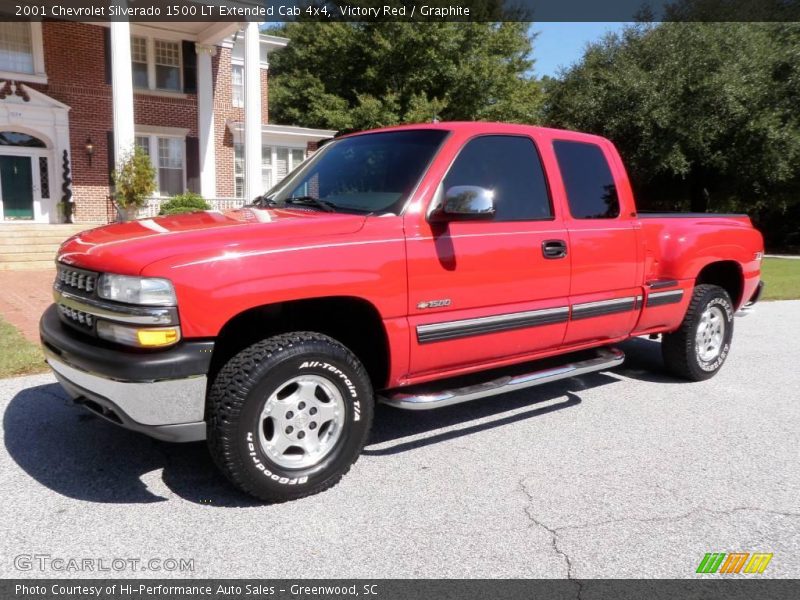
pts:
pixel 606 358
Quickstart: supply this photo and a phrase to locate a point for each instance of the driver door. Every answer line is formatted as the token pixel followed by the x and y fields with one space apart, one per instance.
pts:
pixel 484 291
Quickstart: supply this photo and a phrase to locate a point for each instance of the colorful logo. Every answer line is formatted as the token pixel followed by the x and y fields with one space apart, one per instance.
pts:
pixel 734 562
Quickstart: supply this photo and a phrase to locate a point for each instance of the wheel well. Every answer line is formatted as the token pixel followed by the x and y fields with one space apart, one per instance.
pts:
pixel 352 321
pixel 726 274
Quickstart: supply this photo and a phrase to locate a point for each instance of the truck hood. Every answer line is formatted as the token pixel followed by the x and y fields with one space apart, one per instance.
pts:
pixel 128 248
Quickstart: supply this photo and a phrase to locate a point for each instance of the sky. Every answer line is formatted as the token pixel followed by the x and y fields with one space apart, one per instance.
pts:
pixel 561 44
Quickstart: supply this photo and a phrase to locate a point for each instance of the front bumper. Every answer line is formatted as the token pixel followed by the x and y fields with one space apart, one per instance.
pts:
pixel 161 393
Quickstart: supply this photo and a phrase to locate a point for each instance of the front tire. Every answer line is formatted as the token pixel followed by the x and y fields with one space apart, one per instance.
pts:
pixel 698 349
pixel 289 415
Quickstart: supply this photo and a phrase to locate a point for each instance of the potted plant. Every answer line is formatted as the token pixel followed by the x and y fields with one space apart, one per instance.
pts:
pixel 134 180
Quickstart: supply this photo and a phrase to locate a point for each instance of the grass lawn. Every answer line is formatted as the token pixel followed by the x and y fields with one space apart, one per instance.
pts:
pixel 782 279
pixel 18 355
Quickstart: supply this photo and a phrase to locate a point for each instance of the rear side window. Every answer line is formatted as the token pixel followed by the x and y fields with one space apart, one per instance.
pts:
pixel 510 167
pixel 591 191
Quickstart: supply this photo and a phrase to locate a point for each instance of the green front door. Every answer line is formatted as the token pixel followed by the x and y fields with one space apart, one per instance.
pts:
pixel 17 187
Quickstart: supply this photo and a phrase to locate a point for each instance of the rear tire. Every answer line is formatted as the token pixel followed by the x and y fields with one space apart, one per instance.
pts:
pixel 698 349
pixel 288 416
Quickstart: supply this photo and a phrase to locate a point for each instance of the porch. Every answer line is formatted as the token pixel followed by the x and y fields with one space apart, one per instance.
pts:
pixel 207 129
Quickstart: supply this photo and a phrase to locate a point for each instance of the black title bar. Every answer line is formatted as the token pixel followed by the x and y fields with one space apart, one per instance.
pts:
pixel 401 10
pixel 715 588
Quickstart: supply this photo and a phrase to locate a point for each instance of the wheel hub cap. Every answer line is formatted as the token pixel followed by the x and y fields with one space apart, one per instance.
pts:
pixel 301 421
pixel 710 334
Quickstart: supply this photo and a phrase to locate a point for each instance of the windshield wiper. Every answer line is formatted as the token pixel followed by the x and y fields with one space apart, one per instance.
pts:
pixel 311 201
pixel 262 201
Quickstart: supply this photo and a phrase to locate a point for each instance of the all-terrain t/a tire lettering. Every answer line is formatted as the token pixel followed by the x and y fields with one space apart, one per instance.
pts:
pixel 699 347
pixel 289 415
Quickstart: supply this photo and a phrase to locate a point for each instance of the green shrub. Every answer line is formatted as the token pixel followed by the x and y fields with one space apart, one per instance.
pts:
pixel 134 179
pixel 184 203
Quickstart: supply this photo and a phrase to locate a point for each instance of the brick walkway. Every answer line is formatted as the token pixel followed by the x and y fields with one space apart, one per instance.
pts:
pixel 23 297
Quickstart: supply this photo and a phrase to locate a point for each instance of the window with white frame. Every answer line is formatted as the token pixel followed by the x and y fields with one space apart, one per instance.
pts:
pixel 167 153
pixel 237 69
pixel 238 170
pixel 168 65
pixel 139 59
pixel 237 85
pixel 276 163
pixel 156 64
pixel 16 47
pixel 171 166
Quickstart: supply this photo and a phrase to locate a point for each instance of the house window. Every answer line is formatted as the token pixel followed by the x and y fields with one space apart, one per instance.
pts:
pixel 266 167
pixel 156 64
pixel 237 85
pixel 143 142
pixel 167 153
pixel 168 65
pixel 238 170
pixel 276 163
pixel 170 166
pixel 16 47
pixel 139 59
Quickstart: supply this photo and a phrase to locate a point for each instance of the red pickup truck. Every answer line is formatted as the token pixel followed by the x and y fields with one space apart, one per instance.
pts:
pixel 420 266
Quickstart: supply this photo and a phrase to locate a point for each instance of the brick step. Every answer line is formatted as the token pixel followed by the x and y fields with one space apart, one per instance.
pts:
pixel 28 255
pixel 23 241
pixel 34 246
pixel 37 231
pixel 27 265
pixel 13 225
pixel 45 226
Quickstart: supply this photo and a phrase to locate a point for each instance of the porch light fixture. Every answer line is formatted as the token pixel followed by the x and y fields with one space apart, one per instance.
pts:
pixel 89 149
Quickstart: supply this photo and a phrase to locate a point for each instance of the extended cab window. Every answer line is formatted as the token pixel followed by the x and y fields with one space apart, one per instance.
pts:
pixel 510 167
pixel 591 192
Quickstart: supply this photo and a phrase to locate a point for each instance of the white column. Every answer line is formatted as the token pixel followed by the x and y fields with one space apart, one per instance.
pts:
pixel 205 121
pixel 252 113
pixel 122 87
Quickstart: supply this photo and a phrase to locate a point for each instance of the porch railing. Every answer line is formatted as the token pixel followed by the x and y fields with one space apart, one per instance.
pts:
pixel 153 205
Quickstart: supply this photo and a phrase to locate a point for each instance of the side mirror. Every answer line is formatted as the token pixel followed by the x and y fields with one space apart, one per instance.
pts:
pixel 464 202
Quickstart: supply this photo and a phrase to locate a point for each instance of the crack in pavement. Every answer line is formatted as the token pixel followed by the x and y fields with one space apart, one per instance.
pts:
pixel 553 537
pixel 679 517
pixel 554 531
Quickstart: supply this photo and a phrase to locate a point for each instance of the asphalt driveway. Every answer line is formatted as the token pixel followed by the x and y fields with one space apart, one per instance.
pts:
pixel 628 473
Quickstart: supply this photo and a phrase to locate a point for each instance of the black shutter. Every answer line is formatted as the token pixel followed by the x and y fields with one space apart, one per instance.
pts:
pixel 193 164
pixel 111 160
pixel 189 67
pixel 107 52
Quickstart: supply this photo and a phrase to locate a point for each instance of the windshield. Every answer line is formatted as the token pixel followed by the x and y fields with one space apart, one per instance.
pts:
pixel 370 173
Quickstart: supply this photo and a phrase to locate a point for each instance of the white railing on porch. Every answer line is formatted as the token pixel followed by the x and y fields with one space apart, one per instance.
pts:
pixel 153 205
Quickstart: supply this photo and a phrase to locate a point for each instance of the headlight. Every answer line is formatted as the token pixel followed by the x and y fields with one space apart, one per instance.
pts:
pixel 137 290
pixel 143 337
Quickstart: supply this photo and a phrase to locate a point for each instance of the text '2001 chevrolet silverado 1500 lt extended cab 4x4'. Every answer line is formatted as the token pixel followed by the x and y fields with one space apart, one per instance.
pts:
pixel 420 266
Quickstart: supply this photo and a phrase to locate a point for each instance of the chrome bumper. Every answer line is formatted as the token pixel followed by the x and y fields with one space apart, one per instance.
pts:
pixel 170 410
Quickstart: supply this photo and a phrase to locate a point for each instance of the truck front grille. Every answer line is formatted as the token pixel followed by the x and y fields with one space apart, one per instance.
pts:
pixel 77 279
pixel 77 318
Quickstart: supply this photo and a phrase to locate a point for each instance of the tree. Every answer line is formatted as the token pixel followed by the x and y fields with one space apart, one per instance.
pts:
pixel 350 76
pixel 705 114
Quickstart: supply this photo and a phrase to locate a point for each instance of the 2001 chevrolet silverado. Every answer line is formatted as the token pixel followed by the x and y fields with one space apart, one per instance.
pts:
pixel 421 266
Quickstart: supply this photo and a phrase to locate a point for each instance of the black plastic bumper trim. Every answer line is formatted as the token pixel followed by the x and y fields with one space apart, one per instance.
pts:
pixel 186 359
pixel 757 294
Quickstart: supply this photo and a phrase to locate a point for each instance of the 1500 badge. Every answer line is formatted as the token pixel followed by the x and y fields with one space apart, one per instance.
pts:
pixel 434 303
